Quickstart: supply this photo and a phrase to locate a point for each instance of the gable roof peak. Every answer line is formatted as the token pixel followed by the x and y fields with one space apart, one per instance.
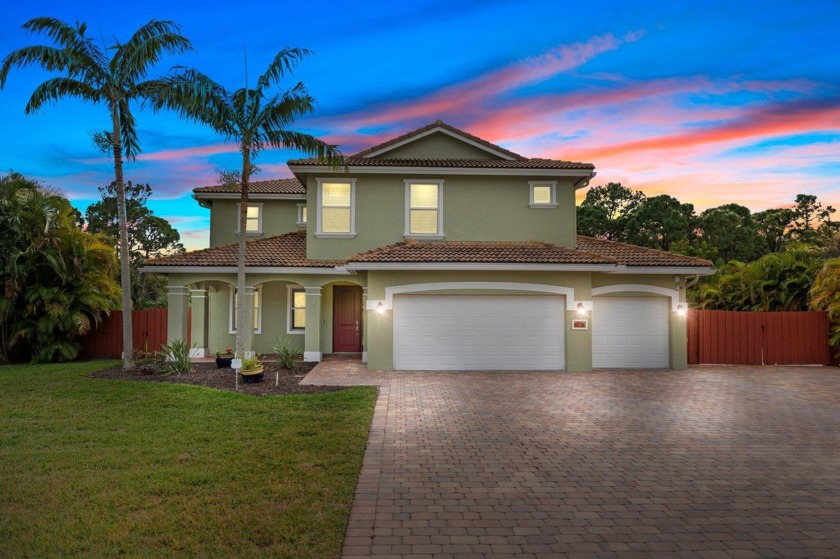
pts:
pixel 438 126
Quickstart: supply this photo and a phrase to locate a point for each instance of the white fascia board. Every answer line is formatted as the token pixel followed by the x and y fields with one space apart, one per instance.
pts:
pixel 675 270
pixel 481 266
pixel 251 196
pixel 339 270
pixel 449 133
pixel 482 171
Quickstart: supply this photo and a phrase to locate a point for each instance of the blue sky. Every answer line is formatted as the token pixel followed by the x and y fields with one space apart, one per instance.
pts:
pixel 711 102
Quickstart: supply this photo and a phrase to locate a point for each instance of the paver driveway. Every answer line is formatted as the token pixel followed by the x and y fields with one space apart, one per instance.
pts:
pixel 706 463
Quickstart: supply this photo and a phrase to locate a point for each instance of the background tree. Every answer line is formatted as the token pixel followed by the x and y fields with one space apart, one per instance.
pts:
pixel 255 120
pixel 772 226
pixel 57 279
pixel 149 236
pixel 730 233
pixel 91 76
pixel 661 221
pixel 606 211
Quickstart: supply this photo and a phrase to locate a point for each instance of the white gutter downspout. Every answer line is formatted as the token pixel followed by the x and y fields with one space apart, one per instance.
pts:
pixel 585 181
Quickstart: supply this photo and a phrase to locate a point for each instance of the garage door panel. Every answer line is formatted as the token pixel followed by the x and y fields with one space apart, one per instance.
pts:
pixel 630 332
pixel 469 332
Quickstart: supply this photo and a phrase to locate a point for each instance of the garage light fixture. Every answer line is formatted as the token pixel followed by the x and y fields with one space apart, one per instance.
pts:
pixel 581 309
pixel 380 308
pixel 682 310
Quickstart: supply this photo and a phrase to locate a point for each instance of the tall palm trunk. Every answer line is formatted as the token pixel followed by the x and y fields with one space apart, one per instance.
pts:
pixel 240 270
pixel 125 267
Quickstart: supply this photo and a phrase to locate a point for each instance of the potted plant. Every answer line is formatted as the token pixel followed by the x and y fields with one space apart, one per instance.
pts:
pixel 252 370
pixel 223 357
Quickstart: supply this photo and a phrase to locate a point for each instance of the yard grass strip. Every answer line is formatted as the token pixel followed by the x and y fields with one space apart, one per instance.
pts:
pixel 92 467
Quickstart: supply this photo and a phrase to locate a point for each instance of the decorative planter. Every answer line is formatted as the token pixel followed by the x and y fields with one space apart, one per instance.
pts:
pixel 257 375
pixel 222 362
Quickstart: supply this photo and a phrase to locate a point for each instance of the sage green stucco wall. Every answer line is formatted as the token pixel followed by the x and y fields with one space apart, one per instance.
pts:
pixel 437 146
pixel 475 208
pixel 279 216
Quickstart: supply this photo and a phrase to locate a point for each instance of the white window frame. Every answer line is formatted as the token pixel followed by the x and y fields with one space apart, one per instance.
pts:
pixel 319 216
pixel 552 185
pixel 290 289
pixel 408 234
pixel 258 205
pixel 301 219
pixel 232 316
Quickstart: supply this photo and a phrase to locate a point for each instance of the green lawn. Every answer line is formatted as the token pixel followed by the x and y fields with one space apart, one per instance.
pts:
pixel 101 468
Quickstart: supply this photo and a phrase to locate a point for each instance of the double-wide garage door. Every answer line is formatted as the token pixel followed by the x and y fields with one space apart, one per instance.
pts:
pixel 479 332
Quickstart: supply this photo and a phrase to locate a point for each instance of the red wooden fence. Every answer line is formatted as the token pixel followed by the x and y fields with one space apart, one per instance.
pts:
pixel 148 329
pixel 757 338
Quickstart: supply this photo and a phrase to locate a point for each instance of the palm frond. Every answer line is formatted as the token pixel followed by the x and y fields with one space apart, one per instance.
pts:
pixel 194 96
pixel 128 130
pixel 281 111
pixel 146 48
pixel 85 58
pixel 306 143
pixel 284 62
pixel 56 88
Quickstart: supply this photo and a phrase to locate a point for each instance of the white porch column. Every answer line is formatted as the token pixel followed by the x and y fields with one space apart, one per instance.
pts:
pixel 312 331
pixel 199 327
pixel 178 298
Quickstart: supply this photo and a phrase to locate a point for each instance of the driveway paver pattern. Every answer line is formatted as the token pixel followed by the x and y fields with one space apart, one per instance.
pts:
pixel 713 462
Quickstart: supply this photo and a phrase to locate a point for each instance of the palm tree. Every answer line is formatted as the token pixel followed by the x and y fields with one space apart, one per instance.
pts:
pixel 91 76
pixel 253 119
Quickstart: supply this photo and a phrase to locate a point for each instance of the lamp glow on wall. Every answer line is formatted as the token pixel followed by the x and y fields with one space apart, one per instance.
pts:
pixel 581 309
pixel 682 309
pixel 380 308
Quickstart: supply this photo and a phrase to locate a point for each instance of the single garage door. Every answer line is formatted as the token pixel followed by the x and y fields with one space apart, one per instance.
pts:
pixel 478 332
pixel 630 332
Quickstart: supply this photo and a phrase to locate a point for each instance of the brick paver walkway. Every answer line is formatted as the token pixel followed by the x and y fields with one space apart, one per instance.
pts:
pixel 709 463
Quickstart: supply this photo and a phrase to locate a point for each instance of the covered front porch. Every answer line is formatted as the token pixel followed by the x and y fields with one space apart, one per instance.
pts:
pixel 319 314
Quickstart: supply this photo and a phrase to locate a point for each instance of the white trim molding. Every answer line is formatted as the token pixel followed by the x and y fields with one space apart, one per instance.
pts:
pixel 260 213
pixel 337 271
pixel 301 218
pixel 640 288
pixel 475 171
pixel 290 289
pixel 552 185
pixel 388 302
pixel 319 218
pixel 439 233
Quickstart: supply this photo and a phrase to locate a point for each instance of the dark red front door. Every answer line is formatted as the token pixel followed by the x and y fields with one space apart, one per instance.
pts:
pixel 347 319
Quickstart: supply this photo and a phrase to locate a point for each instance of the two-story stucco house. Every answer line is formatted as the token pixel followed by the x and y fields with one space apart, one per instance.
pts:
pixel 436 250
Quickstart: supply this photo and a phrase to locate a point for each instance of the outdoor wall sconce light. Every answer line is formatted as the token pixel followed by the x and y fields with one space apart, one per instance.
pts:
pixel 380 308
pixel 581 309
pixel 682 310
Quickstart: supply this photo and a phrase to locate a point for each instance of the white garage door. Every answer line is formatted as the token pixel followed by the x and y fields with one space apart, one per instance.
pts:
pixel 630 332
pixel 478 332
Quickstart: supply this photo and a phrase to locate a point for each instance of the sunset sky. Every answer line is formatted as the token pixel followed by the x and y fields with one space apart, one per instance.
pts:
pixel 710 102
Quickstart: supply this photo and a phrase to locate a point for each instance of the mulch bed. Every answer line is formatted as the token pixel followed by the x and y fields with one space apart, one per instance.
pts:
pixel 207 374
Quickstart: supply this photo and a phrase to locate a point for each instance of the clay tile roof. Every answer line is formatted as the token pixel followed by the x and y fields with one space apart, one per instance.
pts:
pixel 632 255
pixel 274 186
pixel 287 250
pixel 483 252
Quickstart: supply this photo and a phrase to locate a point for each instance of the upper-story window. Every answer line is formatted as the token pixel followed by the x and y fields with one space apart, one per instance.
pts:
pixel 543 194
pixel 423 210
pixel 336 208
pixel 301 217
pixel 253 219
